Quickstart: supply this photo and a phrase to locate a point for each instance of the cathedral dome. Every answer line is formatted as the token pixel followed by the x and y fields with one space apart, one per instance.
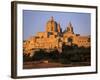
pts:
pixel 51 25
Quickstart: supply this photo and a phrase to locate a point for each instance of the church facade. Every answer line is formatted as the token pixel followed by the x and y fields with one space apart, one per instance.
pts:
pixel 54 38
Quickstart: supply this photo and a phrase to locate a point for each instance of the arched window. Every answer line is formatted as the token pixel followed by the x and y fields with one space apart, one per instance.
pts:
pixel 70 40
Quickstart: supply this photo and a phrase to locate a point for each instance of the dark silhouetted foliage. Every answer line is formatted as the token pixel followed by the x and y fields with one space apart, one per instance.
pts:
pixel 70 54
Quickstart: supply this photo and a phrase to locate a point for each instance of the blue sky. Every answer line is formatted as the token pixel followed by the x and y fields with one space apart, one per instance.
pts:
pixel 35 21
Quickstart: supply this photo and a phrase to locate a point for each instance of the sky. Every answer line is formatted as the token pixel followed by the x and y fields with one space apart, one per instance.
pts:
pixel 35 21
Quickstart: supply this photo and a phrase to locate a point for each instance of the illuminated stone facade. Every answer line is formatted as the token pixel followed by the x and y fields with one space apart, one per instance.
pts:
pixel 54 38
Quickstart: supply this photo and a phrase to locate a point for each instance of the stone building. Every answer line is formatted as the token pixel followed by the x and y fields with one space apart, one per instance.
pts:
pixel 54 38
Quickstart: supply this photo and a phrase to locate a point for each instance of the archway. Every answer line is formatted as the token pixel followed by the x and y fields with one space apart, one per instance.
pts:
pixel 70 40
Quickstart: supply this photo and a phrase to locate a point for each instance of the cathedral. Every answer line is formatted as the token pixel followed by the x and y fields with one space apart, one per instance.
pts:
pixel 53 38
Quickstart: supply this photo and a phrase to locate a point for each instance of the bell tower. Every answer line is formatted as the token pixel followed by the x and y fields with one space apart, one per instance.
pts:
pixel 59 28
pixel 70 28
